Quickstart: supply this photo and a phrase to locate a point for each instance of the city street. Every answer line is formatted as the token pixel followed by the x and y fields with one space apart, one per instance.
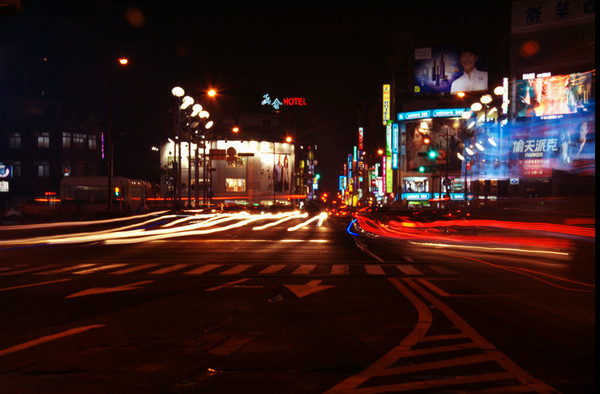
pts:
pixel 286 304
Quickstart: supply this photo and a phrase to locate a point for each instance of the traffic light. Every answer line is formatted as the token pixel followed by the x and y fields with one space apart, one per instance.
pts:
pixel 432 154
pixel 117 191
pixel 422 169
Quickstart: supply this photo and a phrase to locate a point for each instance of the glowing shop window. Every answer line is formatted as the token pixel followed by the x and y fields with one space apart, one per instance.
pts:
pixel 235 185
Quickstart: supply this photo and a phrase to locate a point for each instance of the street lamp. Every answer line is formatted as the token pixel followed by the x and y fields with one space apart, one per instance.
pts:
pixel 178 92
pixel 109 157
pixel 197 111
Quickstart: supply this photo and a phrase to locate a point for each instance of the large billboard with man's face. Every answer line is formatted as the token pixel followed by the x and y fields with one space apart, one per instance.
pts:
pixel 449 69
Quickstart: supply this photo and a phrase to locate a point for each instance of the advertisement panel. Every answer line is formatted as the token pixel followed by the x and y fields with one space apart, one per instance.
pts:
pixel 275 172
pixel 566 144
pixel 553 95
pixel 450 69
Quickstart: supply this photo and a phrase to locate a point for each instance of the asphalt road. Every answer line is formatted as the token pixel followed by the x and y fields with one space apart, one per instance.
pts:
pixel 271 310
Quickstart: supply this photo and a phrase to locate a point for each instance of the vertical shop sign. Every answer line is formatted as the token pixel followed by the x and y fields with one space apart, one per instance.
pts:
pixel 386 103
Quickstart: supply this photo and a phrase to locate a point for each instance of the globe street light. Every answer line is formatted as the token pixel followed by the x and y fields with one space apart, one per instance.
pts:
pixel 178 92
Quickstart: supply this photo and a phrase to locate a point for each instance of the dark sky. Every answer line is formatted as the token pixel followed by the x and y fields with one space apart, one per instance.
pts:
pixel 330 52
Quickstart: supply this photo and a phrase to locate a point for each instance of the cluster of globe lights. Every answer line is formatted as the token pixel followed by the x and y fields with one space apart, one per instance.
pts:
pixel 477 106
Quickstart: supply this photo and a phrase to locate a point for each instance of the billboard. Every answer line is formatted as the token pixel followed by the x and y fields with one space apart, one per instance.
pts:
pixel 449 69
pixel 275 172
pixel 440 135
pixel 553 95
pixel 566 144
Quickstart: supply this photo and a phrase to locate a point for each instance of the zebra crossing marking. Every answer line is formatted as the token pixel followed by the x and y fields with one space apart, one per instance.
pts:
pixel 408 269
pixel 202 269
pixel 99 268
pixel 374 270
pixel 340 269
pixel 304 269
pixel 169 268
pixel 236 269
pixel 64 269
pixel 335 269
pixel 273 269
pixel 133 269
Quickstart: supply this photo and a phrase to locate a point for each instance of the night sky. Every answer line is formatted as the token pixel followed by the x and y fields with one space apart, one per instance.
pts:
pixel 332 53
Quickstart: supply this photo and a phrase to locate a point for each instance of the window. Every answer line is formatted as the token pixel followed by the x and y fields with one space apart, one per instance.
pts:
pixel 43 168
pixel 43 140
pixel 78 141
pixel 238 162
pixel 235 185
pixel 14 140
pixel 16 169
pixel 66 140
pixel 92 142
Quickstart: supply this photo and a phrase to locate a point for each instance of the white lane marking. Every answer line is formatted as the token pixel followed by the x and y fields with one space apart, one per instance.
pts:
pixel 64 269
pixel 408 269
pixel 170 268
pixel 304 269
pixel 48 338
pixel 203 269
pixel 340 269
pixel 133 269
pixel 374 270
pixel 273 269
pixel 236 270
pixel 99 268
pixel 34 284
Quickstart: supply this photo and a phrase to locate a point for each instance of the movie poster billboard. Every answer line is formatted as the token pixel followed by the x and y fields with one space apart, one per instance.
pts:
pixel 441 135
pixel 565 144
pixel 449 69
pixel 554 95
pixel 275 172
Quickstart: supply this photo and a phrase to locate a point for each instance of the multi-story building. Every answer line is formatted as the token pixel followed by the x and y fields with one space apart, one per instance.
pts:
pixel 40 143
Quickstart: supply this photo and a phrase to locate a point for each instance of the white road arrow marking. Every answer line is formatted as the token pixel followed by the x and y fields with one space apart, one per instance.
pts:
pixel 102 290
pixel 311 287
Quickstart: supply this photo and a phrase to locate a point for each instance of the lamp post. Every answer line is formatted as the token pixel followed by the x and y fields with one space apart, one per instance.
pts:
pixel 177 92
pixel 203 119
pixel 185 104
pixel 109 151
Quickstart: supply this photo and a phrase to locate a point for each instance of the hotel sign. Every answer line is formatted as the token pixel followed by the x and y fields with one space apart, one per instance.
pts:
pixel 386 103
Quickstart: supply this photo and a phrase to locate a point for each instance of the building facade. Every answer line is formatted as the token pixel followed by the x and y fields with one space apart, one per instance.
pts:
pixel 228 171
pixel 40 143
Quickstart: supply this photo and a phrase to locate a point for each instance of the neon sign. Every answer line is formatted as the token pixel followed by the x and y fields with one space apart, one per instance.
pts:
pixel 287 101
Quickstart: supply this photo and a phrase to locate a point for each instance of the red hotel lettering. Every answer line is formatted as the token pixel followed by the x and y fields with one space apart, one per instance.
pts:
pixel 294 101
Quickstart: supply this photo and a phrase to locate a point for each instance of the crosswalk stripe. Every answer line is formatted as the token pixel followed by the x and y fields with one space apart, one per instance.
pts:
pixel 99 268
pixel 340 269
pixel 304 269
pixel 408 269
pixel 64 269
pixel 26 270
pixel 203 269
pixel 170 268
pixel 236 270
pixel 273 269
pixel 133 269
pixel 374 270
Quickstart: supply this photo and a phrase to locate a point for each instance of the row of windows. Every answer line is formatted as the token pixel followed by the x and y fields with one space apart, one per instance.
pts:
pixel 42 169
pixel 69 140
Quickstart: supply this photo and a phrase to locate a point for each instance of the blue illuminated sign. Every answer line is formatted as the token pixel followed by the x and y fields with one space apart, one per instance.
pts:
pixel 435 113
